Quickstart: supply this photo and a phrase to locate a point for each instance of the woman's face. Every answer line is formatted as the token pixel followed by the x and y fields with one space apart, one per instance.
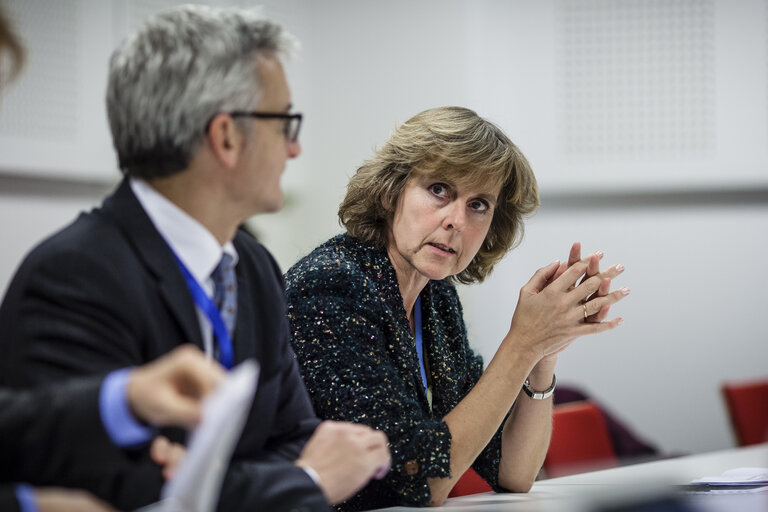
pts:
pixel 439 226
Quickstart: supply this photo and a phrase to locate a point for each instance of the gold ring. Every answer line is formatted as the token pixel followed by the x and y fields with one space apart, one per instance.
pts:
pixel 585 311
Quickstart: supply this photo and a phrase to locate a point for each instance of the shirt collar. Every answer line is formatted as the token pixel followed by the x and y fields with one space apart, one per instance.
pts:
pixel 190 240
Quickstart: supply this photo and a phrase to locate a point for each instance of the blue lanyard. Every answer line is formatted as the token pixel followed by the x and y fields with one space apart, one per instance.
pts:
pixel 208 307
pixel 419 342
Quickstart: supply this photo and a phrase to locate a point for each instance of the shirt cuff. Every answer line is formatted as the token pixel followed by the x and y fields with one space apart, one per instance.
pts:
pixel 309 470
pixel 25 495
pixel 122 427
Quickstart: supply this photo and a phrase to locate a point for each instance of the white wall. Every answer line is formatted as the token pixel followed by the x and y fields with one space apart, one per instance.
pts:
pixel 31 210
pixel 694 316
pixel 688 219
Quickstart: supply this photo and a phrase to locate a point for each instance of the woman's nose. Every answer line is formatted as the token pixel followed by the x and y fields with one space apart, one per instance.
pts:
pixel 455 216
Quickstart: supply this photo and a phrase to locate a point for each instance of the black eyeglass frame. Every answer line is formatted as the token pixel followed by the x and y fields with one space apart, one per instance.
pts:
pixel 290 129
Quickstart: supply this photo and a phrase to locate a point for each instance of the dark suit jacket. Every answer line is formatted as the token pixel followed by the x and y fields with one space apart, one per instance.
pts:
pixel 46 434
pixel 8 501
pixel 105 293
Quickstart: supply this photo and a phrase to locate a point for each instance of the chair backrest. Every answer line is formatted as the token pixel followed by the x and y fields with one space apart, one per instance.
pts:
pixel 580 440
pixel 469 483
pixel 747 404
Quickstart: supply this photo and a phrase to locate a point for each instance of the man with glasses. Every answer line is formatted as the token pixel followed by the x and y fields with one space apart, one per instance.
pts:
pixel 200 114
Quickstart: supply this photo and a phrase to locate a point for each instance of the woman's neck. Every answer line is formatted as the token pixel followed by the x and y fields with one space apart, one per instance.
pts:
pixel 410 281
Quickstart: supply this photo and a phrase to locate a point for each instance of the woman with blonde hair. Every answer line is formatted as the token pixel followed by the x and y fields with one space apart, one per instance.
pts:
pixel 377 325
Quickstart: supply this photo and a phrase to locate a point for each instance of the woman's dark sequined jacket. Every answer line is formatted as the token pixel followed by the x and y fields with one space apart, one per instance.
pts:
pixel 358 359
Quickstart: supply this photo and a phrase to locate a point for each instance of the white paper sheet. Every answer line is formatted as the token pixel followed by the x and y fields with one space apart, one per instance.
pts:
pixel 197 483
pixel 737 476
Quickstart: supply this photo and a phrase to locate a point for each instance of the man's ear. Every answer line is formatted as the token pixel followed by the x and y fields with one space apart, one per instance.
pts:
pixel 225 139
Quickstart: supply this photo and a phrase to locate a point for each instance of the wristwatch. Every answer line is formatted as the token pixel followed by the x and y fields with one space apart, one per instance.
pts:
pixel 540 395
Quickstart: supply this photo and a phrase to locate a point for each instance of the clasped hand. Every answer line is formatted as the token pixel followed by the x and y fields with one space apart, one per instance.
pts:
pixel 345 457
pixel 564 301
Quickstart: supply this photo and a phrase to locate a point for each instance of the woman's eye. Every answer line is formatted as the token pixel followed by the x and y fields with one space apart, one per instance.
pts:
pixel 479 206
pixel 438 189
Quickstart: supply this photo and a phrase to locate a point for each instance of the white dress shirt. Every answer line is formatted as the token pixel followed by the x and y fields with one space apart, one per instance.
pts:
pixel 195 246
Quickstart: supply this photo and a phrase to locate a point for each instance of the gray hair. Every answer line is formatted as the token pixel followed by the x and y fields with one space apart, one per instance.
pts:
pixel 180 69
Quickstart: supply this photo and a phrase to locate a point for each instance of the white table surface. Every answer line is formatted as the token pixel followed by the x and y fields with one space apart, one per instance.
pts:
pixel 589 491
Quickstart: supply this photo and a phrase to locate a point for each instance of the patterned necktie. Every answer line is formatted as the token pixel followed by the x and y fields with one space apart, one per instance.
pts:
pixel 225 291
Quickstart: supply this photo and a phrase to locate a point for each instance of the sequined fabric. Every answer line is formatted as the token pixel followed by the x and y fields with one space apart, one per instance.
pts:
pixel 358 359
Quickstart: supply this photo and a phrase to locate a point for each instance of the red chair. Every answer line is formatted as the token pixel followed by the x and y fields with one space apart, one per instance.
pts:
pixel 747 404
pixel 469 483
pixel 580 440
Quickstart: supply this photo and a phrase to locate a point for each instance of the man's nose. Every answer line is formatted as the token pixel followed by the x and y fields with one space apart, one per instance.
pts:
pixel 293 148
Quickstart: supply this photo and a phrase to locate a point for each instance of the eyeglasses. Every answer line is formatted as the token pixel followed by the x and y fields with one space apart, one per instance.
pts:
pixel 290 128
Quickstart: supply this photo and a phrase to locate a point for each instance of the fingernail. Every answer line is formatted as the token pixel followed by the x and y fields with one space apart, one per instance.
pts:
pixel 625 291
pixel 620 267
pixel 621 321
pixel 600 254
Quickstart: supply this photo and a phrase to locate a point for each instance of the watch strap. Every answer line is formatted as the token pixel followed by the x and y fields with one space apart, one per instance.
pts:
pixel 540 395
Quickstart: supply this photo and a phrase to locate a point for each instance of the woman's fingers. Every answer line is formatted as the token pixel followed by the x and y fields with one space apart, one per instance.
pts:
pixel 596 286
pixel 566 300
pixel 575 255
pixel 593 264
pixel 596 328
pixel 596 306
pixel 560 269
pixel 586 269
pixel 568 280
pixel 542 277
pixel 609 274
pixel 594 259
pixel 601 316
pixel 602 291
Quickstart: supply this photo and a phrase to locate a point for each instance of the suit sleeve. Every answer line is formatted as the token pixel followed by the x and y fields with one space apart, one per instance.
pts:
pixel 8 501
pixel 70 316
pixel 270 480
pixel 53 435
pixel 34 424
pixel 64 324
pixel 282 418
pixel 295 420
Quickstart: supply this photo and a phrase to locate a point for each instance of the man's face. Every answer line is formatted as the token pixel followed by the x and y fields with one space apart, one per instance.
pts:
pixel 263 159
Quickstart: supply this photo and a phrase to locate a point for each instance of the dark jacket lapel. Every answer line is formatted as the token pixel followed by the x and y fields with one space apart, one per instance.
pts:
pixel 123 207
pixel 390 290
pixel 249 324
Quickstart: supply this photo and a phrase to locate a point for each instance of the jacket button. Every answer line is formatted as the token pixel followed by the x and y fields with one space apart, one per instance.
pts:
pixel 411 467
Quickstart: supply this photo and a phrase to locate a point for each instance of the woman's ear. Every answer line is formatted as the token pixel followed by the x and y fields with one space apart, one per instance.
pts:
pixel 225 139
pixel 388 197
pixel 385 200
